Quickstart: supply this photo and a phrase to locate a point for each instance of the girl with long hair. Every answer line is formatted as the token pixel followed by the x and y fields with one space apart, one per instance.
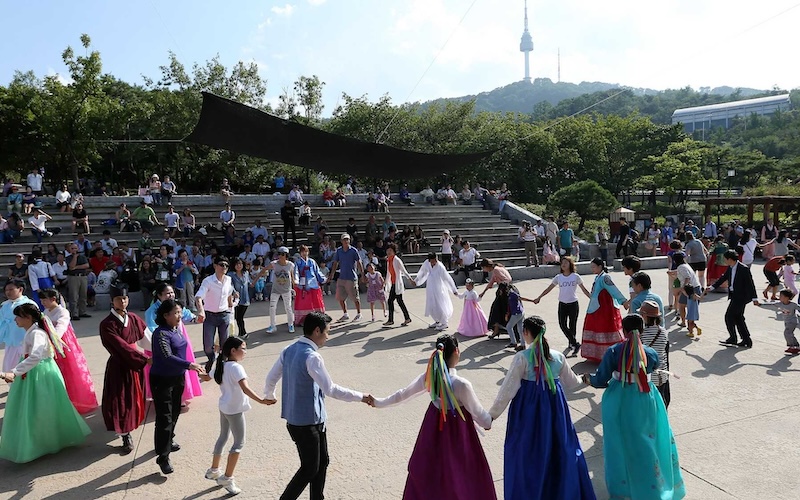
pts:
pixel 308 293
pixel 37 390
pixel 639 451
pixel 498 274
pixel 447 445
pixel 229 374
pixel 543 457
pixel 568 282
pixel 73 366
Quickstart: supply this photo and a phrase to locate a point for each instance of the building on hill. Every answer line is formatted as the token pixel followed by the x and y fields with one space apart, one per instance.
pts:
pixel 701 118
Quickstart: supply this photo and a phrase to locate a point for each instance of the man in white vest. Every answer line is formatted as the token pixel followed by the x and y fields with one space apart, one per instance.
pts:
pixel 305 384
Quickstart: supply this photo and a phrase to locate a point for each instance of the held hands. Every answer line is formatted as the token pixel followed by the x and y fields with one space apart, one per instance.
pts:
pixel 627 304
pixel 536 300
pixel 194 366
pixel 268 402
pixel 369 400
pixel 8 376
pixel 586 379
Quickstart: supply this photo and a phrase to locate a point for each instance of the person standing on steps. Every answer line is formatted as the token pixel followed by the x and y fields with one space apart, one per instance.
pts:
pixel 305 384
pixel 347 260
pixel 287 216
pixel 741 291
pixel 527 234
pixel 394 284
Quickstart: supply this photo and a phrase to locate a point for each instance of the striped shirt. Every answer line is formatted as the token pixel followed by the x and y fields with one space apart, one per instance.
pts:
pixel 660 344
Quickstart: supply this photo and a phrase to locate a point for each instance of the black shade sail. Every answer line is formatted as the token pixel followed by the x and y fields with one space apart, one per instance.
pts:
pixel 226 124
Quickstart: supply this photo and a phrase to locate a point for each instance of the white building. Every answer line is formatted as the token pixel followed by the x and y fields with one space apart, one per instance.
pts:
pixel 720 115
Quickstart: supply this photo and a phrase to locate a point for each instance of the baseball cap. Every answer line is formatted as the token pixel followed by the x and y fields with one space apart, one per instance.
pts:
pixel 283 250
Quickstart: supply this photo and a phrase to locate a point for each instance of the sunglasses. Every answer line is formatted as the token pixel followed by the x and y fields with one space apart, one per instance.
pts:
pixel 223 264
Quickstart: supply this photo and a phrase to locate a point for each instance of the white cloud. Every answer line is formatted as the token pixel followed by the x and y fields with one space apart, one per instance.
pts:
pixel 316 2
pixel 285 11
pixel 63 80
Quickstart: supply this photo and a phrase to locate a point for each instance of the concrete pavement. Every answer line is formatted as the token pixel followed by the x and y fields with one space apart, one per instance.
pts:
pixel 734 412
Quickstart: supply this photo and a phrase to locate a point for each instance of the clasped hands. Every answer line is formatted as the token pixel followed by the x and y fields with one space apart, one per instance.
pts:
pixel 8 376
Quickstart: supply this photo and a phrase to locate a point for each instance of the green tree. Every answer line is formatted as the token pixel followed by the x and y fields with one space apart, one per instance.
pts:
pixel 588 199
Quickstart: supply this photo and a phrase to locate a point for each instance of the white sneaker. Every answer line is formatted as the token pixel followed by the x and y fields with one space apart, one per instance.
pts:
pixel 344 318
pixel 358 317
pixel 271 329
pixel 435 324
pixel 442 327
pixel 213 474
pixel 291 328
pixel 229 484
pixel 373 318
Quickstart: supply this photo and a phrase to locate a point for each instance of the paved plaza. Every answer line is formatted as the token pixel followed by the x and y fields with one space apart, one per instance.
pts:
pixel 735 413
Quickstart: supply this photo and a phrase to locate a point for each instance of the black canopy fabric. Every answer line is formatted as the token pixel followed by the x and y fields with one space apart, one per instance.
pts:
pixel 226 124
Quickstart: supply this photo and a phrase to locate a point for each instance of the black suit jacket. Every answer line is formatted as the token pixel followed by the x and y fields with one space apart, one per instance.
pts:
pixel 744 290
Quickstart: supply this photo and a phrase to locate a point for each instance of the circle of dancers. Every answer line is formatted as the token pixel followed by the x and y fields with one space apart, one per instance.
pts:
pixel 152 359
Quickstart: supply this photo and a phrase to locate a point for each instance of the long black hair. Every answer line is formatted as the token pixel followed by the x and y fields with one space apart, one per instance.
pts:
pixel 447 344
pixel 536 326
pixel 597 261
pixel 230 344
pixel 31 310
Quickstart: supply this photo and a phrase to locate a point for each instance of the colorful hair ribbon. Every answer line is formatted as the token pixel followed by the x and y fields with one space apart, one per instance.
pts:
pixel 541 368
pixel 55 341
pixel 440 386
pixel 633 361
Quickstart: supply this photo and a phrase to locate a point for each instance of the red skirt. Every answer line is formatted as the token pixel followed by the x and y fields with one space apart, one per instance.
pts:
pixel 714 271
pixel 307 301
pixel 601 329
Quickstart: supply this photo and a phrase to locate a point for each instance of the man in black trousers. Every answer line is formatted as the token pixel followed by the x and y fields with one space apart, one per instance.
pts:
pixel 287 216
pixel 304 384
pixel 741 291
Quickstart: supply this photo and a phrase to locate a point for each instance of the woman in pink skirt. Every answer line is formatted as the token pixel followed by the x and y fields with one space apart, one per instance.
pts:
pixel 72 365
pixel 308 294
pixel 473 320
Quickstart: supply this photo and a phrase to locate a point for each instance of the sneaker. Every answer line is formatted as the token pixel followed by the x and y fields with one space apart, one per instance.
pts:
pixel 511 344
pixel 344 318
pixel 435 324
pixel 271 329
pixel 373 319
pixel 404 323
pixel 291 328
pixel 442 327
pixel 229 484
pixel 213 474
pixel 358 317
pixel 792 350
pixel 690 335
pixel 388 323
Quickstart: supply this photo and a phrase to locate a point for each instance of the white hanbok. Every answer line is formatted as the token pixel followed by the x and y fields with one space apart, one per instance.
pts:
pixel 438 304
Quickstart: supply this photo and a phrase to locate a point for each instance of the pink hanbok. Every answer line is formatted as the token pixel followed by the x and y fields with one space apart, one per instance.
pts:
pixel 73 366
pixel 473 319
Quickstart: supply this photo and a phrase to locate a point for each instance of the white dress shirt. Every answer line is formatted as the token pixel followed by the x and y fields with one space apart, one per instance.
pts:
pixel 316 369
pixel 34 182
pixel 462 389
pixel 468 256
pixel 37 347
pixel 259 231
pixel 39 269
pixel 215 293
pixel 109 245
pixel 61 270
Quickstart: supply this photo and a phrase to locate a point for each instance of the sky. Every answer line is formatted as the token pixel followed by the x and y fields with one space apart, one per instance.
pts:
pixel 416 50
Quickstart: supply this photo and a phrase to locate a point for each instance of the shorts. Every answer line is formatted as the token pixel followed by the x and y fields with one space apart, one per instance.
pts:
pixel 698 266
pixel 772 277
pixel 346 288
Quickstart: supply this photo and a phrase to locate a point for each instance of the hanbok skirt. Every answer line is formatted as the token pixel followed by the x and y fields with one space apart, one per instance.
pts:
pixel 473 320
pixel 44 283
pixel 77 378
pixel 639 451
pixel 307 301
pixel 448 464
pixel 601 329
pixel 543 458
pixel 38 396
pixel 713 270
pixel 191 388
pixel 497 313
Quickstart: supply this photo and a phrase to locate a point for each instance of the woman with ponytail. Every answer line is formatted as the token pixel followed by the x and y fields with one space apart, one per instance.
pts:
pixel 448 461
pixel 232 380
pixel 639 451
pixel 39 418
pixel 543 457
pixel 77 378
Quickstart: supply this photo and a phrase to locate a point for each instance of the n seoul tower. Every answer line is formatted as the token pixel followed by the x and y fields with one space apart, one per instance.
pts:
pixel 526 46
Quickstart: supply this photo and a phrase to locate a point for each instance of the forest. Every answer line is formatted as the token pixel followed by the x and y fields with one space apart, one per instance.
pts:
pixel 71 129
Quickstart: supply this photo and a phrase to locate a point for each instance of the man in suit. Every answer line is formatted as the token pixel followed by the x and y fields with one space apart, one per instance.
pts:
pixel 741 291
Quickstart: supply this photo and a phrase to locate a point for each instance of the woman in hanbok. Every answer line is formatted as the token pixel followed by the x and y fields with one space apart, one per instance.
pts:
pixel 438 304
pixel 448 462
pixel 602 327
pixel 543 457
pixel 639 451
pixel 11 334
pixel 37 392
pixel 497 313
pixel 473 319
pixel 73 366
pixel 716 260
pixel 308 293
pixel 164 291
pixel 41 275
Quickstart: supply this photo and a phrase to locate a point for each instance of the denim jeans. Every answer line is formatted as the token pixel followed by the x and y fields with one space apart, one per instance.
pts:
pixel 214 322
pixel 515 321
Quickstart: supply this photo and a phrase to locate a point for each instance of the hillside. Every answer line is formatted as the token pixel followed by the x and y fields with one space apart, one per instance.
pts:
pixel 546 99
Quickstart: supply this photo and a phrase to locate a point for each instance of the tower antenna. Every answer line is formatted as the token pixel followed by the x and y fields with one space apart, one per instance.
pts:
pixel 526 46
